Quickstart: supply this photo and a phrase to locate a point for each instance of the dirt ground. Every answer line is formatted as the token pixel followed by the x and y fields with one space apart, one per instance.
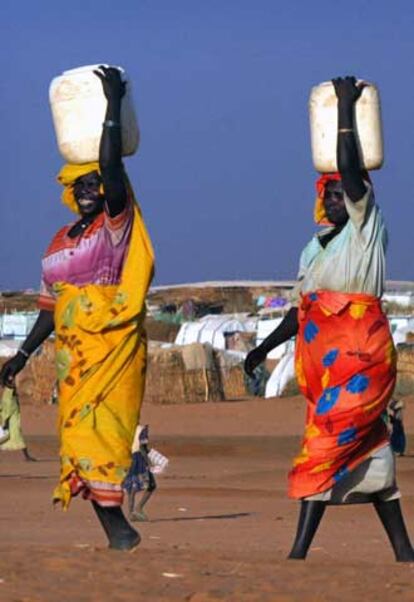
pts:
pixel 220 524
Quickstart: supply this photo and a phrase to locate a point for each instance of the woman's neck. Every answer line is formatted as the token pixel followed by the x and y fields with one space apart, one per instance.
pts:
pixel 81 225
pixel 326 238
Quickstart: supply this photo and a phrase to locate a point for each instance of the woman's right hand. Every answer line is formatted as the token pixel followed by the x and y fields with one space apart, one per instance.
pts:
pixel 347 89
pixel 112 83
pixel 11 368
pixel 254 358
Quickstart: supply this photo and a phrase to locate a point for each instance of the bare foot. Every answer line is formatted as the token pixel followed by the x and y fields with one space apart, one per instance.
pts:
pixel 138 517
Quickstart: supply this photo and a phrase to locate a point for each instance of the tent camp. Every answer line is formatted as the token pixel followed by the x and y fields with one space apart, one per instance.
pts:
pixel 212 329
pixel 17 325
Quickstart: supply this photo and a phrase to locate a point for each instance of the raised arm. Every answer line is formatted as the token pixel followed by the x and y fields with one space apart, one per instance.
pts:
pixel 349 166
pixel 110 150
pixel 287 329
pixel 42 328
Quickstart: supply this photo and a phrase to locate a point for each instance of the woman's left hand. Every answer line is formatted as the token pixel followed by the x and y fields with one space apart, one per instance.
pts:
pixel 347 89
pixel 254 358
pixel 112 83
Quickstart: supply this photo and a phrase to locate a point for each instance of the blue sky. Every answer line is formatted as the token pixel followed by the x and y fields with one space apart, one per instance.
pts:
pixel 224 172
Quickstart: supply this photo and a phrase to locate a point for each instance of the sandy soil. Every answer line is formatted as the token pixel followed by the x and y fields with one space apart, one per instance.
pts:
pixel 220 524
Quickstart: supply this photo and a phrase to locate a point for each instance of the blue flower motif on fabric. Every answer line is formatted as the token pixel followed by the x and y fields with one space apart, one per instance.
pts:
pixel 358 384
pixel 347 436
pixel 328 400
pixel 313 296
pixel 341 473
pixel 310 332
pixel 330 357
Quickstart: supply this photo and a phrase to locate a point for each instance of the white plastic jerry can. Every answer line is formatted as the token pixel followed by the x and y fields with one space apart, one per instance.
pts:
pixel 323 113
pixel 78 109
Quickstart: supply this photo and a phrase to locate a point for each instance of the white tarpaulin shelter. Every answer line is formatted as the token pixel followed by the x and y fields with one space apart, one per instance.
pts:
pixel 17 325
pixel 281 375
pixel 404 299
pixel 400 327
pixel 211 329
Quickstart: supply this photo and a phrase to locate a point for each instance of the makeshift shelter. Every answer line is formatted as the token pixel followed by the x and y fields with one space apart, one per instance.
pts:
pixel 186 374
pixel 283 380
pixel 213 328
pixel 17 325
pixel 405 369
pixel 233 377
pixel 402 328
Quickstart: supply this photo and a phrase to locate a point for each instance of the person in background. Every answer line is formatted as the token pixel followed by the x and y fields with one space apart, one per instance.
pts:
pixel 345 357
pixel 11 434
pixel 96 273
pixel 140 477
pixel 395 415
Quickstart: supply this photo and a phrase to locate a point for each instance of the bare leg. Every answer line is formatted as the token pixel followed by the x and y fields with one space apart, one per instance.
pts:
pixel 152 486
pixel 309 518
pixel 121 535
pixel 393 522
pixel 131 501
pixel 140 515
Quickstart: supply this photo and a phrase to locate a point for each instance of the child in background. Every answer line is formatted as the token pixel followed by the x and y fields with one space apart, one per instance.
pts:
pixel 11 435
pixel 145 463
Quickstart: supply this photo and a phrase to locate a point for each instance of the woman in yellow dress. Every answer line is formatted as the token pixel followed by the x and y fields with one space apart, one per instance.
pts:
pixel 95 276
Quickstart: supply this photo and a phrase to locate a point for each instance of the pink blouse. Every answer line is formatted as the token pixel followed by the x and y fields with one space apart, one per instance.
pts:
pixel 96 256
